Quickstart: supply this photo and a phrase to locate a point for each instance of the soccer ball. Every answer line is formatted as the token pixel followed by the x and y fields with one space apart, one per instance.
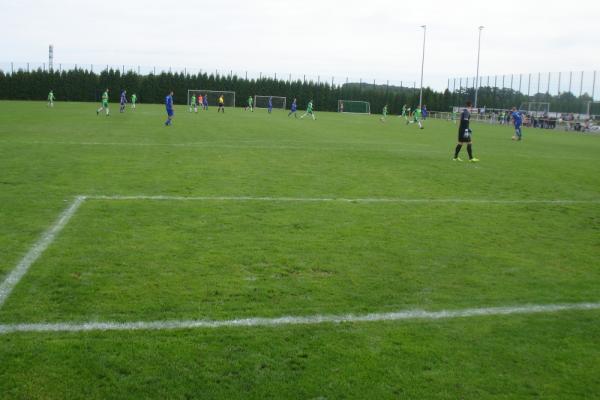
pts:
pixel 514 138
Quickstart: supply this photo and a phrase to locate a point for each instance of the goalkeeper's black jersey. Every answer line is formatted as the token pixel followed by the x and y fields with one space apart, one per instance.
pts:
pixel 465 117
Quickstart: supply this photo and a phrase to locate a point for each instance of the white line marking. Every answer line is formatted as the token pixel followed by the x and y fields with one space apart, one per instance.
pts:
pixel 37 249
pixel 338 199
pixel 295 320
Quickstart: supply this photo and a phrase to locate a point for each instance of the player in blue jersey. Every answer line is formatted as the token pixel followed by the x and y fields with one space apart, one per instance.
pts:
pixel 205 102
pixel 518 121
pixel 270 104
pixel 293 108
pixel 169 107
pixel 123 101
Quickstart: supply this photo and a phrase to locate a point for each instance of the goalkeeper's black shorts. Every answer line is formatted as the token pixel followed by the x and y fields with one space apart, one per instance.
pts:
pixel 464 136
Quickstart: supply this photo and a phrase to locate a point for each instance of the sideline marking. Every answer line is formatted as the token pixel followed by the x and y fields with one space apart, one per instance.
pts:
pixel 294 320
pixel 334 199
pixel 37 249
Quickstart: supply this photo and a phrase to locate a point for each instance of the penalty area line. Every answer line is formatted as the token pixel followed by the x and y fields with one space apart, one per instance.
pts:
pixel 295 320
pixel 337 199
pixel 15 276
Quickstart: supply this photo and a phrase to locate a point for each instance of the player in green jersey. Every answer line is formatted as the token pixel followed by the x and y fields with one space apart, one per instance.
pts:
pixel 405 112
pixel 133 100
pixel 250 105
pixel 384 112
pixel 104 103
pixel 309 110
pixel 51 99
pixel 193 104
pixel 417 116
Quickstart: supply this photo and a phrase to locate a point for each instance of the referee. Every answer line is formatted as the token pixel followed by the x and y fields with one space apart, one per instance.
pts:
pixel 464 135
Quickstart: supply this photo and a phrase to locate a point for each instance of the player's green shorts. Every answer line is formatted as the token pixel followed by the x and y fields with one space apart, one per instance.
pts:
pixel 105 104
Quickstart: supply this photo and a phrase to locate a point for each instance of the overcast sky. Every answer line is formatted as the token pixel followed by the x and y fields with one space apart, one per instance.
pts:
pixel 372 39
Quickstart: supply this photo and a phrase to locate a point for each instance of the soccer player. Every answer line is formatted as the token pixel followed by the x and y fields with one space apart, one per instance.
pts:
pixel 169 107
pixel 425 112
pixel 221 104
pixel 270 104
pixel 384 112
pixel 51 99
pixel 454 116
pixel 123 101
pixel 309 110
pixel 205 101
pixel 193 104
pixel 201 101
pixel 293 108
pixel 250 104
pixel 104 105
pixel 405 112
pixel 464 135
pixel 518 121
pixel 416 118
pixel 133 100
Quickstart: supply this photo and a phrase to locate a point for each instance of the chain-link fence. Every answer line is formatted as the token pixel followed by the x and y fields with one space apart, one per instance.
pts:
pixel 578 83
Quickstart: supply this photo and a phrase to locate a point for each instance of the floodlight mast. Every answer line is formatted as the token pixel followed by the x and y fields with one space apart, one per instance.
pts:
pixel 478 53
pixel 422 66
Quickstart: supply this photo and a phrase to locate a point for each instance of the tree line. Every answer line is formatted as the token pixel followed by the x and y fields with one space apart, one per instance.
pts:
pixel 85 85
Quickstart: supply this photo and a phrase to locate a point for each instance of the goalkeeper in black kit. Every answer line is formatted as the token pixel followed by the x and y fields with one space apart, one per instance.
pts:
pixel 464 135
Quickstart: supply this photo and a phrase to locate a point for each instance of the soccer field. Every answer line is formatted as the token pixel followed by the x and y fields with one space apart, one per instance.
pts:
pixel 248 255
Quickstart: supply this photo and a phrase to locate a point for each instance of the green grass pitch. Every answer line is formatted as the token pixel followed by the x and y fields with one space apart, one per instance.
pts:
pixel 521 227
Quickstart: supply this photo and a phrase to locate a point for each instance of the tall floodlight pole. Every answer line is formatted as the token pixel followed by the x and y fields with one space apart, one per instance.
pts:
pixel 422 65
pixel 478 53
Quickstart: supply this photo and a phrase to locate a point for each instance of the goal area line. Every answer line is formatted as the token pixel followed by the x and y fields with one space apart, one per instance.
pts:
pixel 49 235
